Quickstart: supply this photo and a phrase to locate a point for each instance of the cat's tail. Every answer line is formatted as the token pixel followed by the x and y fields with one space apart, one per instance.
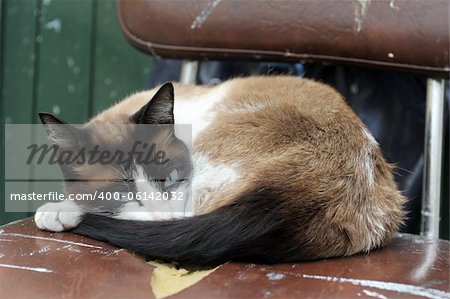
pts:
pixel 251 229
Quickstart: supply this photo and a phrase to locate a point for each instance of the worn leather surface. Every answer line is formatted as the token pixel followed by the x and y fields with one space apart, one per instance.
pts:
pixel 394 34
pixel 38 264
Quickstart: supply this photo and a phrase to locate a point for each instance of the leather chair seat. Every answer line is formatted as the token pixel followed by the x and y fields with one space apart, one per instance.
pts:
pixel 48 265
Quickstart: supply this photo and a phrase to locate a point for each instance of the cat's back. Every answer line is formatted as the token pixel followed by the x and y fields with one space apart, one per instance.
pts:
pixel 276 128
pixel 269 113
pixel 272 93
pixel 242 96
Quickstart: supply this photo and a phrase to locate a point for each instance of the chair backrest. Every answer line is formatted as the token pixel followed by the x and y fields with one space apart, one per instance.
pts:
pixel 391 34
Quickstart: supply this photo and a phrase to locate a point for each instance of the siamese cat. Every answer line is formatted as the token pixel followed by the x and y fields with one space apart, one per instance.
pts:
pixel 280 170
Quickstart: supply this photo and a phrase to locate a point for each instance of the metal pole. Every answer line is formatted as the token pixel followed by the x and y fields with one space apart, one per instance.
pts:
pixel 189 71
pixel 432 176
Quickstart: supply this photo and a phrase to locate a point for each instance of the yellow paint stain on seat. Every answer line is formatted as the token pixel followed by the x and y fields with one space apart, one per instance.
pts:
pixel 167 280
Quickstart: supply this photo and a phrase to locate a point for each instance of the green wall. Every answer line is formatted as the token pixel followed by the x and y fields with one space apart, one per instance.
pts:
pixel 67 57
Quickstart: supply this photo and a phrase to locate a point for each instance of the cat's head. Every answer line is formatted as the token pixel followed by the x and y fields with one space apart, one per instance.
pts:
pixel 141 154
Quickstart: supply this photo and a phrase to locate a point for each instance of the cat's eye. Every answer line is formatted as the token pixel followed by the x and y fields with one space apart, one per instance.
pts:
pixel 175 177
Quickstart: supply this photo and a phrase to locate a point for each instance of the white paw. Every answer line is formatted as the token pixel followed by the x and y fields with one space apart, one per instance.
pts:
pixel 58 217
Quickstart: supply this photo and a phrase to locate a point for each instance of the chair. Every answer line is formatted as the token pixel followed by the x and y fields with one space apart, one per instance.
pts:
pixel 399 35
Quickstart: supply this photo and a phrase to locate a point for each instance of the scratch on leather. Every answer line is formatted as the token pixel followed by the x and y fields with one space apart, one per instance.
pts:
pixel 201 18
pixel 361 7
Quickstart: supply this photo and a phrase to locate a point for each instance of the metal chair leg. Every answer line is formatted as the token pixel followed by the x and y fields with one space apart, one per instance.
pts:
pixel 189 71
pixel 431 197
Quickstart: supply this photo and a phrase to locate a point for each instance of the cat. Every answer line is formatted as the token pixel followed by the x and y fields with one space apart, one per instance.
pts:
pixel 281 170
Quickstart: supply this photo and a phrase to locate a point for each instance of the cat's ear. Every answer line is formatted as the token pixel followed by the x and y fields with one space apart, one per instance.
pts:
pixel 58 131
pixel 159 110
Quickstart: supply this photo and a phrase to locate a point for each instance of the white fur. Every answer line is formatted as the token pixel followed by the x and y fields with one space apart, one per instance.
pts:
pixel 368 165
pixel 369 137
pixel 58 217
pixel 153 210
pixel 247 107
pixel 368 160
pixel 207 180
pixel 374 219
pixel 198 110
pixel 132 211
pixel 211 178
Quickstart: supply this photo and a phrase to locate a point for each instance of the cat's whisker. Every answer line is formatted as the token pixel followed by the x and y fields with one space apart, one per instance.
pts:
pixel 123 168
pixel 402 169
pixel 123 175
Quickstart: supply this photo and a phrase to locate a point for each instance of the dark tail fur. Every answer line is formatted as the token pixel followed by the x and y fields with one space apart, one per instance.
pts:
pixel 253 229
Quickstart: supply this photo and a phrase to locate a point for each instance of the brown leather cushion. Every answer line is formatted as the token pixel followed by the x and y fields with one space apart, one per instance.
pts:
pixel 399 34
pixel 39 264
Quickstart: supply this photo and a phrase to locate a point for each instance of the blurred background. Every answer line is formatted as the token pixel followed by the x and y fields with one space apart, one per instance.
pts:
pixel 70 58
pixel 66 57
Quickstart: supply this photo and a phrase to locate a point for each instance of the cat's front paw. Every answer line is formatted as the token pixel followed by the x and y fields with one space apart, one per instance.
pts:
pixel 58 217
